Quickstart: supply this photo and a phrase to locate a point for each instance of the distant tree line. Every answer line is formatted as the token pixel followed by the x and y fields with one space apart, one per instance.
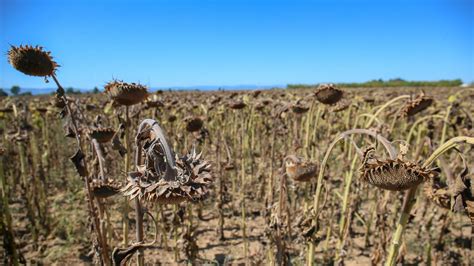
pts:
pixel 379 83
pixel 15 91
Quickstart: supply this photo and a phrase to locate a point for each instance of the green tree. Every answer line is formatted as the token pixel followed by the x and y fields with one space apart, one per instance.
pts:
pixel 95 90
pixel 3 93
pixel 15 90
pixel 70 90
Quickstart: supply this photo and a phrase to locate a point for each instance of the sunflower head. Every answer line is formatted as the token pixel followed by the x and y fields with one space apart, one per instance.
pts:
pixel 416 105
pixel 102 135
pixel 105 188
pixel 193 124
pixel 328 94
pixel 126 93
pixel 33 61
pixel 193 180
pixel 395 175
pixel 299 108
pixel 299 169
pixel 237 105
pixel 165 177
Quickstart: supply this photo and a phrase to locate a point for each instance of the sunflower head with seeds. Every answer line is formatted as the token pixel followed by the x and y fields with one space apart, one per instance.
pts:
pixel 32 61
pixel 414 106
pixel 393 174
pixel 164 177
pixel 328 94
pixel 126 94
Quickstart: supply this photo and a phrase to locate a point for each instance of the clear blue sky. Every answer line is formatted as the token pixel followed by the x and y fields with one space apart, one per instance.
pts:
pixel 186 43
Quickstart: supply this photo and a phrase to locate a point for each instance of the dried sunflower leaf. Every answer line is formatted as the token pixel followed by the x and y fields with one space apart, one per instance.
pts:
pixel 117 145
pixel 78 161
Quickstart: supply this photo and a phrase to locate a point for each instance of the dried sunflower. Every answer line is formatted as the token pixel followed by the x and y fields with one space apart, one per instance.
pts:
pixel 416 105
pixel 256 93
pixel 307 229
pixel 153 102
pixel 41 109
pixel 237 105
pixel 193 124
pixel 299 108
pixel 214 100
pixel 457 195
pixel 395 175
pixel 165 178
pixel 172 118
pixel 58 102
pixel 105 188
pixel 440 196
pixel 33 61
pixel 266 101
pixel 126 93
pixel 6 110
pixel 279 110
pixel 328 94
pixel 298 169
pixel 259 106
pixel 102 135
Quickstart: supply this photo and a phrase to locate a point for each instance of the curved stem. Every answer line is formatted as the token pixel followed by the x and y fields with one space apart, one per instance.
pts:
pixel 395 118
pixel 463 90
pixel 401 97
pixel 412 129
pixel 387 144
pixel 445 125
pixel 372 118
pixel 447 146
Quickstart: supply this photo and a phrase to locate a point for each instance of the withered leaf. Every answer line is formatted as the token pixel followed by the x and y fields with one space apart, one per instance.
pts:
pixel 63 113
pixel 78 161
pixel 120 256
pixel 117 145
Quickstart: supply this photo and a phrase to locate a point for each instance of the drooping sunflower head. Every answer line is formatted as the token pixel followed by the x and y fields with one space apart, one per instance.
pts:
pixel 299 169
pixel 193 180
pixel 33 61
pixel 328 94
pixel 237 104
pixel 299 107
pixel 193 124
pixel 102 135
pixel 420 103
pixel 165 177
pixel 395 175
pixel 126 93
pixel 105 188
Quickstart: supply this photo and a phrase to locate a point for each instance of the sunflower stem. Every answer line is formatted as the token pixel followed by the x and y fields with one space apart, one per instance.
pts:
pixel 383 107
pixel 388 146
pixel 90 198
